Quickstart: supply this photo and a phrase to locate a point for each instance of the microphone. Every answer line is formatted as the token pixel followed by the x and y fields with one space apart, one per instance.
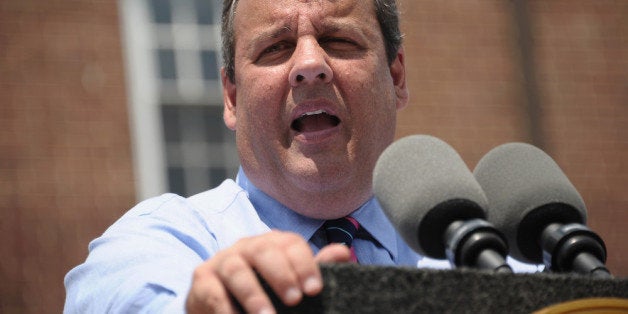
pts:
pixel 539 210
pixel 435 203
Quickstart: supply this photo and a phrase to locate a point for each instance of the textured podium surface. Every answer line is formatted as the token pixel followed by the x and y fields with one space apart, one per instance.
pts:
pixel 351 288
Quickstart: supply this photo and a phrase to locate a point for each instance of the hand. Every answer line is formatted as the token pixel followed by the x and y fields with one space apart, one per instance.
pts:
pixel 283 259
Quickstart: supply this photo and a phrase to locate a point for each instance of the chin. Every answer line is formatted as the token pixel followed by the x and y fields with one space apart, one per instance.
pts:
pixel 317 182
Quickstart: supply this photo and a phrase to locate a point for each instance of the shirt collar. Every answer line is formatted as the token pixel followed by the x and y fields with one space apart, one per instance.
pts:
pixel 277 216
pixel 372 218
pixel 274 214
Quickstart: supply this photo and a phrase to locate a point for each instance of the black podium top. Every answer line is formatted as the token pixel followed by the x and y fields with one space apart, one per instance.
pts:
pixel 351 288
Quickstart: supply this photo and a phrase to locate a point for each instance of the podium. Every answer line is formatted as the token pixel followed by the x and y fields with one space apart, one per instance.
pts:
pixel 351 288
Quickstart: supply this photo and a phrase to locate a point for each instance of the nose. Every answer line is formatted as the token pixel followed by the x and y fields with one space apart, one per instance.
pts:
pixel 310 65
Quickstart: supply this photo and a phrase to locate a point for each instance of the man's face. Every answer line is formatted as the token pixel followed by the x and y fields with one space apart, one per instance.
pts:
pixel 314 101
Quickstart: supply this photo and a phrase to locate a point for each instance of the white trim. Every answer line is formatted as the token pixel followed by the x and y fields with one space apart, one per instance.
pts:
pixel 144 110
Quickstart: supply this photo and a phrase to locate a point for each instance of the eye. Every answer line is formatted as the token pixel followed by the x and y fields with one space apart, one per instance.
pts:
pixel 342 47
pixel 275 47
pixel 275 52
pixel 337 43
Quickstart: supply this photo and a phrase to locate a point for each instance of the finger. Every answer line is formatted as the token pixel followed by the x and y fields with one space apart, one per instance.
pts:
pixel 307 271
pixel 333 253
pixel 240 279
pixel 207 293
pixel 276 266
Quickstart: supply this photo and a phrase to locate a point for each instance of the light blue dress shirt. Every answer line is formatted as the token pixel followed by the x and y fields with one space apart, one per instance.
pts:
pixel 145 260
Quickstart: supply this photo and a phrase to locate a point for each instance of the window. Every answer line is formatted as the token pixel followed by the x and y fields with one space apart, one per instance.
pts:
pixel 180 142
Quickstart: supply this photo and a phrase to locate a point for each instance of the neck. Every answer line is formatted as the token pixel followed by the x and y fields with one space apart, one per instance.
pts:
pixel 315 201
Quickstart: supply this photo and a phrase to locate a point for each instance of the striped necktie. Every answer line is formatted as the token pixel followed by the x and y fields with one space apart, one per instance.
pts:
pixel 342 230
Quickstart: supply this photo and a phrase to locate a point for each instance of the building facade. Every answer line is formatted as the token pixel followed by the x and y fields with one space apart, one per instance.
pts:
pixel 105 103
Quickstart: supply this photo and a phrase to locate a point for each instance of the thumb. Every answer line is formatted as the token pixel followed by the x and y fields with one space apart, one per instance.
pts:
pixel 333 253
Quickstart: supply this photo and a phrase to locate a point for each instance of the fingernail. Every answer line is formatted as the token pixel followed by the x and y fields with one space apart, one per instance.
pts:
pixel 312 285
pixel 293 295
pixel 266 310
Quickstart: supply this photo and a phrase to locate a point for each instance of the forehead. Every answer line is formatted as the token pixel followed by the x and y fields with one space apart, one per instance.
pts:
pixel 257 14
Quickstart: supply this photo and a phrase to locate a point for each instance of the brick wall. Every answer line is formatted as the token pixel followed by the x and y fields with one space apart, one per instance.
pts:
pixel 65 163
pixel 468 86
pixel 581 50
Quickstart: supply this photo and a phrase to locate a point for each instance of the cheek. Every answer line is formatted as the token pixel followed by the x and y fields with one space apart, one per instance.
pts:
pixel 375 95
pixel 262 86
pixel 377 108
pixel 257 97
pixel 260 114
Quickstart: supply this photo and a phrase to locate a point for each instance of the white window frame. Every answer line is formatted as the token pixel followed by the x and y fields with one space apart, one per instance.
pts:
pixel 147 91
pixel 142 90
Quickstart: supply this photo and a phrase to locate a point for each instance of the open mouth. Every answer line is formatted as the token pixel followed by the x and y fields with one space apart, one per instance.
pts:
pixel 314 121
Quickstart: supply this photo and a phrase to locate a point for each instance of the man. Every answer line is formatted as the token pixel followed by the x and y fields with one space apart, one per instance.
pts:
pixel 311 89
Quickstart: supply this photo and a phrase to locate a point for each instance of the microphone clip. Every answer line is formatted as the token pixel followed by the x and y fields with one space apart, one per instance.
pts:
pixel 476 244
pixel 573 247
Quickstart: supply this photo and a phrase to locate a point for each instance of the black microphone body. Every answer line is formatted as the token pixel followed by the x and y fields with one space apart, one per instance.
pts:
pixel 539 210
pixel 433 200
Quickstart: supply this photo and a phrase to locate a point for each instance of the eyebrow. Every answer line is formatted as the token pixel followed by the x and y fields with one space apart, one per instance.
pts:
pixel 272 34
pixel 329 27
pixel 332 27
pixel 282 30
pixel 275 33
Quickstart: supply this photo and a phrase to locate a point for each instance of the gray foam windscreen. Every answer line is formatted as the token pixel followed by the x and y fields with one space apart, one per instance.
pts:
pixel 423 185
pixel 526 191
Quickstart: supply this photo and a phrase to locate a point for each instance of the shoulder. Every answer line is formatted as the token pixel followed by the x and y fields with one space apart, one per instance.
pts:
pixel 125 266
pixel 181 211
pixel 215 200
pixel 229 211
pixel 224 214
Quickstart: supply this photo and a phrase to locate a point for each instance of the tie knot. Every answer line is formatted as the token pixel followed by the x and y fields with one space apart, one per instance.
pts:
pixel 341 230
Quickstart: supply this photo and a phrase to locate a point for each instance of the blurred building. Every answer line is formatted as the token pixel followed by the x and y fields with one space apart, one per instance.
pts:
pixel 105 103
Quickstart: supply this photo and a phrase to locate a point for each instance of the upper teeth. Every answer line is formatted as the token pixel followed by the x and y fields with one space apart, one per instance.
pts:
pixel 310 113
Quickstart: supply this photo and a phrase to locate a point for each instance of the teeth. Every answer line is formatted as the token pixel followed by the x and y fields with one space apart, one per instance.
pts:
pixel 311 113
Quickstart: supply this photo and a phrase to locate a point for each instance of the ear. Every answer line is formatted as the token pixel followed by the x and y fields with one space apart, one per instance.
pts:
pixel 229 99
pixel 398 74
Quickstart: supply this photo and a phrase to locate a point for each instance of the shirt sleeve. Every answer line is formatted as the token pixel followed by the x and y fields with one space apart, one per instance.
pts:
pixel 143 262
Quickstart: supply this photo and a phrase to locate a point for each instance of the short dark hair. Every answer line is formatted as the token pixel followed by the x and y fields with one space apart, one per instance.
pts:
pixel 385 10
